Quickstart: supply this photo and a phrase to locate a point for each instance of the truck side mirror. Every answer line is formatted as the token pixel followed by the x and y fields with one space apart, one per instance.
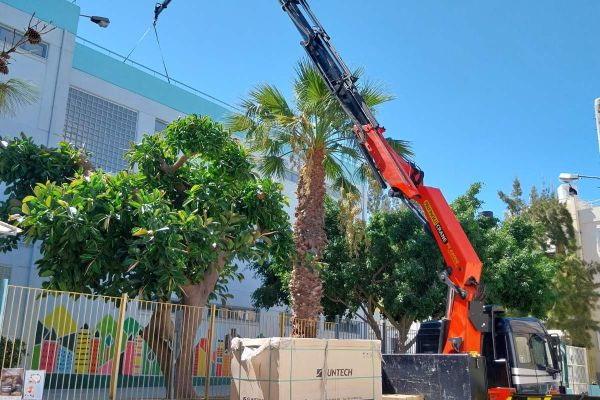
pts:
pixel 554 342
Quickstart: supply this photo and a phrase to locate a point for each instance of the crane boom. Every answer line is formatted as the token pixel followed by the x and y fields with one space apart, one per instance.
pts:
pixel 405 179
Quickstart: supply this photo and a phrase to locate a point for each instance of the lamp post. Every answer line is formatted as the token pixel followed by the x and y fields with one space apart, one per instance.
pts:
pixel 102 22
pixel 568 177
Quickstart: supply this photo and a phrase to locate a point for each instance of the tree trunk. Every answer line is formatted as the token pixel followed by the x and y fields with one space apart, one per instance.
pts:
pixel 403 342
pixel 159 334
pixel 194 298
pixel 309 236
pixel 374 324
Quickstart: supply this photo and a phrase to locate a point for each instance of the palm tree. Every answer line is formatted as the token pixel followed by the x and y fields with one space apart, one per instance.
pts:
pixel 15 93
pixel 313 136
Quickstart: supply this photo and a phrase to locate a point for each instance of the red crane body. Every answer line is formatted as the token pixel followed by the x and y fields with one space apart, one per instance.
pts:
pixel 452 241
pixel 405 179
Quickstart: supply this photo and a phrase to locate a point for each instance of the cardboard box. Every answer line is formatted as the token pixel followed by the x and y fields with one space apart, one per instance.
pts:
pixel 305 369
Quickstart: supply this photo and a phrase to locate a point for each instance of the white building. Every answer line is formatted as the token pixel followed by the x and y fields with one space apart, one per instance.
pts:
pixel 91 97
pixel 586 223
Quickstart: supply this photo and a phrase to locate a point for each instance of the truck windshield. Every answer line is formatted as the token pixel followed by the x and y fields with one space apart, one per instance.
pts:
pixel 533 352
pixel 523 353
pixel 539 351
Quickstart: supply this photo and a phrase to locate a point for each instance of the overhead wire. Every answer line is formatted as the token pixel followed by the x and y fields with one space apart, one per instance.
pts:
pixel 161 54
pixel 138 42
pixel 158 9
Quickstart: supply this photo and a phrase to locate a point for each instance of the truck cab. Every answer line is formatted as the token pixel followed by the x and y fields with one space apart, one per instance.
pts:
pixel 519 353
pixel 522 355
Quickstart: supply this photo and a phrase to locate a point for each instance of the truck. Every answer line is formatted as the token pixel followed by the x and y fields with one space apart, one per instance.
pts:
pixel 474 352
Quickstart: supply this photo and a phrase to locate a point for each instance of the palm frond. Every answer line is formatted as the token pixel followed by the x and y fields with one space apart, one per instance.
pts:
pixel 347 151
pixel 402 147
pixel 237 122
pixel 269 102
pixel 15 93
pixel 374 94
pixel 338 173
pixel 272 166
pixel 310 89
pixel 344 184
pixel 363 173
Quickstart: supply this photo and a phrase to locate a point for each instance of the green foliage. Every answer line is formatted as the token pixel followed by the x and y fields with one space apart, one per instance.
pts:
pixel 574 292
pixel 396 270
pixel 13 351
pixel 16 93
pixel 577 293
pixel 285 134
pixel 517 274
pixel 188 204
pixel 273 290
pixel 23 164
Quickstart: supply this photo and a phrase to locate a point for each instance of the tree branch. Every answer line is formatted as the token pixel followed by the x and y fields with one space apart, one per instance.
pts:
pixel 172 169
pixel 85 164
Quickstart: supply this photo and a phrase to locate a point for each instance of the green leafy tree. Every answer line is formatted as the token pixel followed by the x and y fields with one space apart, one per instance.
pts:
pixel 393 270
pixel 173 224
pixel 515 272
pixel 315 136
pixel 575 291
pixel 396 272
pixel 23 164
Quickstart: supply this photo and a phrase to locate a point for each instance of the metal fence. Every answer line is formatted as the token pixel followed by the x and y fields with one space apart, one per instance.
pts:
pixel 100 347
pixel 577 369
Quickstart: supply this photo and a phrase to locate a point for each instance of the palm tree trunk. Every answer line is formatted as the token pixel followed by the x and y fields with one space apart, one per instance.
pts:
pixel 309 235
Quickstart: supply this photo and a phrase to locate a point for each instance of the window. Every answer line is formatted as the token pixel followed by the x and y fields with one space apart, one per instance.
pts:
pixel 5 272
pixel 523 354
pixel 538 349
pixel 9 36
pixel 237 314
pixel 160 125
pixel 291 176
pixel 101 127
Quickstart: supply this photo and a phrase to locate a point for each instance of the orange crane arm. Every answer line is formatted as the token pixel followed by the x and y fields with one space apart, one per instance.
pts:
pixel 405 179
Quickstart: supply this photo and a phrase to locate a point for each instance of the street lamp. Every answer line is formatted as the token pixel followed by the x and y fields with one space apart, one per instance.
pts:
pixel 567 177
pixel 102 22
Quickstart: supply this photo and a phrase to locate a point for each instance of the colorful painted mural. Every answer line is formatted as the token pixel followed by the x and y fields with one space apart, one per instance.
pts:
pixel 64 345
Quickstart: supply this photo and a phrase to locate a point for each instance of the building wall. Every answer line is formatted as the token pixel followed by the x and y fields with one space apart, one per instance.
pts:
pixel 50 76
pixel 586 221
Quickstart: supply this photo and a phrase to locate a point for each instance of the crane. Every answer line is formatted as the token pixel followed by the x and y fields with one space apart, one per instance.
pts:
pixel 462 331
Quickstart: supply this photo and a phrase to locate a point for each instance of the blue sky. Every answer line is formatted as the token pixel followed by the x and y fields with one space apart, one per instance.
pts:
pixel 485 90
